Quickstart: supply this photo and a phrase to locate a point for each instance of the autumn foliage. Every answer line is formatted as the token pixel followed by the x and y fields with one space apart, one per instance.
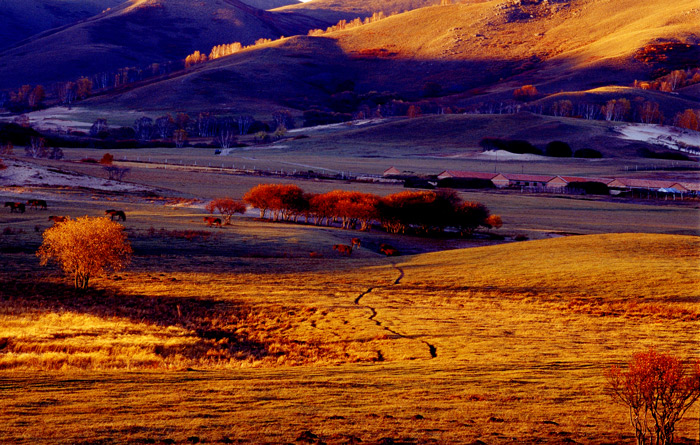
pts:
pixel 689 119
pixel 526 92
pixel 85 247
pixel 107 159
pixel 414 211
pixel 658 389
pixel 227 207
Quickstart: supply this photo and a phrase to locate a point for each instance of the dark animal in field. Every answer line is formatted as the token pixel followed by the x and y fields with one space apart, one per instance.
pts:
pixel 119 214
pixel 315 255
pixel 388 250
pixel 18 207
pixel 37 204
pixel 343 249
pixel 58 219
pixel 212 221
pixel 355 242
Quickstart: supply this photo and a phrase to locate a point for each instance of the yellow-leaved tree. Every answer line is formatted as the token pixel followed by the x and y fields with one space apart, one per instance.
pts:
pixel 85 247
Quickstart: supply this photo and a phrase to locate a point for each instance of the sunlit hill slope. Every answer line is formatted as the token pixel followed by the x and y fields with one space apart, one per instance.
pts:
pixel 474 51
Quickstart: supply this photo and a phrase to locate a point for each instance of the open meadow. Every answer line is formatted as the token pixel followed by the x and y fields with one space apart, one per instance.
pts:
pixel 349 222
pixel 237 334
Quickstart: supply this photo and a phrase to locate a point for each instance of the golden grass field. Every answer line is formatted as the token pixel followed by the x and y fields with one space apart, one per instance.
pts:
pixel 235 334
pixel 260 332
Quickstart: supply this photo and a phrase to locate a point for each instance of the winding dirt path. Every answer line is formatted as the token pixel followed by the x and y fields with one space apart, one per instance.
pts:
pixel 431 348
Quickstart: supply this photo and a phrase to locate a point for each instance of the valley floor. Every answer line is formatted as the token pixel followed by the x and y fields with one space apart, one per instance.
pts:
pixel 238 335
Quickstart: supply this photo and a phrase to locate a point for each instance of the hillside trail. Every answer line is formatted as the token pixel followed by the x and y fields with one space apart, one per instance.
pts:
pixel 373 312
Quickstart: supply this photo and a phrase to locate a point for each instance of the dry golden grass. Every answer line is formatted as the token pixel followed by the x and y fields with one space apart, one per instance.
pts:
pixel 497 343
pixel 465 30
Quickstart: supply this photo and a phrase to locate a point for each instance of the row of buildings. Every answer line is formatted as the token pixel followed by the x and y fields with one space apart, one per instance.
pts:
pixel 548 183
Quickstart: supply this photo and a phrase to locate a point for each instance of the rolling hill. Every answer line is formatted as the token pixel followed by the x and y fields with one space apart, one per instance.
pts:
pixel 475 52
pixel 138 33
pixel 331 11
pixel 22 19
pixel 270 4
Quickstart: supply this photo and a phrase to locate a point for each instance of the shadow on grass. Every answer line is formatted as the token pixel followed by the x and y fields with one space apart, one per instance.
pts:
pixel 214 325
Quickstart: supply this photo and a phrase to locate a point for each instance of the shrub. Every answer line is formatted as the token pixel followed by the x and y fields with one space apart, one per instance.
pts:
pixel 86 246
pixel 470 216
pixel 588 153
pixel 658 389
pixel 526 92
pixel 522 147
pixel 107 159
pixel 558 149
pixel 17 134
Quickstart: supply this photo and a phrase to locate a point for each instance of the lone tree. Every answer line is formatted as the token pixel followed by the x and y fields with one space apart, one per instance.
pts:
pixel 658 389
pixel 85 247
pixel 227 207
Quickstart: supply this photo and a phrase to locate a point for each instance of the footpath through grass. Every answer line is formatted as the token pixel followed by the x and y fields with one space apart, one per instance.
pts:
pixel 498 343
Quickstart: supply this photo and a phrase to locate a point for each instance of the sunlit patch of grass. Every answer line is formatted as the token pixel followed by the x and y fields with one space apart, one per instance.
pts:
pixel 521 334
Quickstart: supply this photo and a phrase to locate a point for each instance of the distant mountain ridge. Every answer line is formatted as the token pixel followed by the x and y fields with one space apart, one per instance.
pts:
pixel 21 19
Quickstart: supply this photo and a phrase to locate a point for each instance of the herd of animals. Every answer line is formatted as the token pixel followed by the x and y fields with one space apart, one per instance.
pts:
pixel 40 204
pixel 344 249
pixel 119 215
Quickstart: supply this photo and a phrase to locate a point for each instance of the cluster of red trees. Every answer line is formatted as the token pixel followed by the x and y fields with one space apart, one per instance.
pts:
pixel 418 211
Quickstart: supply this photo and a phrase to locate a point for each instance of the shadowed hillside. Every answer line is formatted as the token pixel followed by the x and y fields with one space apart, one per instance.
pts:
pixel 270 4
pixel 141 32
pixel 22 19
pixel 249 81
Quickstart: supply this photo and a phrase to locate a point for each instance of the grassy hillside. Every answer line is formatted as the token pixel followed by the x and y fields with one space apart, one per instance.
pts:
pixel 252 81
pixel 332 11
pixel 270 4
pixel 457 346
pixel 544 41
pixel 141 32
pixel 476 52
pixel 459 134
pixel 21 20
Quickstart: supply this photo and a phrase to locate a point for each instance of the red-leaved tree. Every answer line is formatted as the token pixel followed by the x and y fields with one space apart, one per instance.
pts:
pixel 227 207
pixel 658 389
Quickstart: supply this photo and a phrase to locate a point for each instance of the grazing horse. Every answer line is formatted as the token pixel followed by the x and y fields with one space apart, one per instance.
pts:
pixel 343 249
pixel 388 250
pixel 119 214
pixel 58 219
pixel 18 207
pixel 212 220
pixel 38 204
pixel 356 242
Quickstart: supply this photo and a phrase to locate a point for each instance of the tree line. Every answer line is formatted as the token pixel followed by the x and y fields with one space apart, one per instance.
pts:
pixel 419 212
